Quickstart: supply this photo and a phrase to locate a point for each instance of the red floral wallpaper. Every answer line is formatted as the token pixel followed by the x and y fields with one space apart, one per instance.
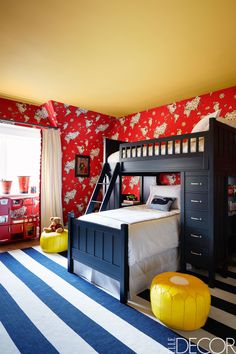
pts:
pixel 175 118
pixel 172 119
pixel 169 178
pixel 25 113
pixel 82 132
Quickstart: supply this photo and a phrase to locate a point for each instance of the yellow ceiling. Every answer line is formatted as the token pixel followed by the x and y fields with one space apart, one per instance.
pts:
pixel 116 56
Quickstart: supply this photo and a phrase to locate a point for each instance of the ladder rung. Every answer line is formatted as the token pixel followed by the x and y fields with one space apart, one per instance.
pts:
pixel 96 201
pixel 104 183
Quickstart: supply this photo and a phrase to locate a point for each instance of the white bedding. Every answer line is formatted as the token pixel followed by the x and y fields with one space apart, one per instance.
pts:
pixel 159 150
pixel 150 231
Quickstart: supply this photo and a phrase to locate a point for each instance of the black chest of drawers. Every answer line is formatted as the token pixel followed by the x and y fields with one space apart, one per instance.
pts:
pixel 196 240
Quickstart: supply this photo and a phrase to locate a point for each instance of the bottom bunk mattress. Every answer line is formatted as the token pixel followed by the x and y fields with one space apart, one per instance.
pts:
pixel 152 245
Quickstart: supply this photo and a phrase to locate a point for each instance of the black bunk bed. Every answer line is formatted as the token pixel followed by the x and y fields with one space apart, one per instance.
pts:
pixel 205 161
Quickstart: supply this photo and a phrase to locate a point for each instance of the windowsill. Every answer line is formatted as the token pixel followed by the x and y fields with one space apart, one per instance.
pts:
pixel 19 195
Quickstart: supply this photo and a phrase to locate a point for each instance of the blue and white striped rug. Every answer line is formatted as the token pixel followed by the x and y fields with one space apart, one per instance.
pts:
pixel 45 309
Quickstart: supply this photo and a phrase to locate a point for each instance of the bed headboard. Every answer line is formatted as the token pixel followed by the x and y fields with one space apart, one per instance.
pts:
pixel 151 180
pixel 147 181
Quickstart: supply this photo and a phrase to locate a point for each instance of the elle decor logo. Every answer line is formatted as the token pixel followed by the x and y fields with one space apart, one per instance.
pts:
pixel 193 345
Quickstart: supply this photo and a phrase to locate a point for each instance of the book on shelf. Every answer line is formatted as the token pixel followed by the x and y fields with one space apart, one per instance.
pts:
pixel 131 202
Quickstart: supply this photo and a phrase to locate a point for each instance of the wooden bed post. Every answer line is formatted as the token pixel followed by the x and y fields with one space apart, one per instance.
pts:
pixel 70 265
pixel 212 208
pixel 124 268
pixel 109 147
pixel 182 225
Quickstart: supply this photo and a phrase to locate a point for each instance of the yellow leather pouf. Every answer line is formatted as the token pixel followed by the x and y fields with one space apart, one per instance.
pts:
pixel 53 242
pixel 180 301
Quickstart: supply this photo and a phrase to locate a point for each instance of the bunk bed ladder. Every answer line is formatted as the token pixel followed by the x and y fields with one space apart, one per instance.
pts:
pixel 102 181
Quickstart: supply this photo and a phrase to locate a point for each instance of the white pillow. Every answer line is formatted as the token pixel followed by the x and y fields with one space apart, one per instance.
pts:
pixel 231 122
pixel 203 124
pixel 165 191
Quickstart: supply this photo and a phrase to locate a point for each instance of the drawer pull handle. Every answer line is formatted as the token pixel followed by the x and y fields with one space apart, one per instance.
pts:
pixel 195 201
pixel 198 219
pixel 196 183
pixel 196 253
pixel 196 236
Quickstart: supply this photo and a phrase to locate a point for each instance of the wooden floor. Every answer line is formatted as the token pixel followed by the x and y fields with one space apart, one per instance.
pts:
pixel 18 245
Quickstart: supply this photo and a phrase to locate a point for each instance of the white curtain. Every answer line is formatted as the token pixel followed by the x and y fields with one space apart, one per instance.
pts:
pixel 51 176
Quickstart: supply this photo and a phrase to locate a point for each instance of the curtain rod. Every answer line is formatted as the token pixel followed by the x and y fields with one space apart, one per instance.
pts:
pixel 27 124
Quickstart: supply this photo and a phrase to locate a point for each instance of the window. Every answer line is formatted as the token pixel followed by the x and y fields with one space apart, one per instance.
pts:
pixel 20 149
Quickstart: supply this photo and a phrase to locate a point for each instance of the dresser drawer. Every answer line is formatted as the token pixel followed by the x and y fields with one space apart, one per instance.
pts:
pixel 196 237
pixel 196 219
pixel 196 201
pixel 197 256
pixel 196 183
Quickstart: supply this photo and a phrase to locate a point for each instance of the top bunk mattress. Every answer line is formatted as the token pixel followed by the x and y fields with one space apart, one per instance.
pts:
pixel 159 150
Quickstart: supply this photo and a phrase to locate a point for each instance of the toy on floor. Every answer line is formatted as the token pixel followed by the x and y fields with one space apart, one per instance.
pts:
pixel 55 226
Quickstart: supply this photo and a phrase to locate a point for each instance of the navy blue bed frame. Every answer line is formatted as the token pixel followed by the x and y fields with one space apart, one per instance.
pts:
pixel 101 247
pixel 106 249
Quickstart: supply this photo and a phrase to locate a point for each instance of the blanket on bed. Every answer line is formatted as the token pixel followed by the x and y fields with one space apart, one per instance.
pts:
pixel 151 232
pixel 127 215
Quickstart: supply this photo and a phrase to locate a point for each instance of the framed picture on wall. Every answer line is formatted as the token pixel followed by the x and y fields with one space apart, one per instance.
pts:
pixel 82 166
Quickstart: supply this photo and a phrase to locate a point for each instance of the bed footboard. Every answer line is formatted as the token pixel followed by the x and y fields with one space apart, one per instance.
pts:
pixel 102 248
